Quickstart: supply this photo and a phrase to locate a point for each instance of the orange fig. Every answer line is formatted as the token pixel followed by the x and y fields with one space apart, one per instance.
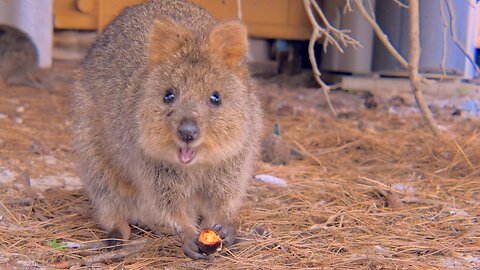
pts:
pixel 209 241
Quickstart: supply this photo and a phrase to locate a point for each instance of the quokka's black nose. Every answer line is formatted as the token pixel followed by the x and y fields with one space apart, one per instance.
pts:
pixel 187 131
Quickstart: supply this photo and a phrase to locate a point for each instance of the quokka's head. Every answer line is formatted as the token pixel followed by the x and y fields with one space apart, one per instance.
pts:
pixel 194 96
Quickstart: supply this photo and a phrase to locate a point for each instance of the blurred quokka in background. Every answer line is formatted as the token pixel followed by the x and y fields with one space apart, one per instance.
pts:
pixel 166 126
pixel 18 58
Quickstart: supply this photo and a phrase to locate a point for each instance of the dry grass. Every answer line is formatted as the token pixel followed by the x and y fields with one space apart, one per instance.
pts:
pixel 375 190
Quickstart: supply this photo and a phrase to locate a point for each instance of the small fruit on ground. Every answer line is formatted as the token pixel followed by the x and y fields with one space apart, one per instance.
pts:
pixel 209 241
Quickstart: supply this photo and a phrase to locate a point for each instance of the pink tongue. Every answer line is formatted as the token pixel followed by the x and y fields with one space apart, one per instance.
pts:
pixel 186 154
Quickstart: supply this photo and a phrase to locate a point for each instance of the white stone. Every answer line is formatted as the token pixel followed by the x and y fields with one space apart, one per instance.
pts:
pixel 50 160
pixel 267 178
pixel 6 176
pixel 72 182
pixel 20 109
pixel 46 182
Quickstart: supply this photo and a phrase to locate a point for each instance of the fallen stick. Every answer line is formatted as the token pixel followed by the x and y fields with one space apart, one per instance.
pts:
pixel 130 247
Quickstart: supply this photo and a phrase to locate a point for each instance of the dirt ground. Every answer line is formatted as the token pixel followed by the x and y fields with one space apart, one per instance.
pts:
pixel 375 190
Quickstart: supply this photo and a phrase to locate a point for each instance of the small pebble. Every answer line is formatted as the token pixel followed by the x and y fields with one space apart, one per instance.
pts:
pixel 458 112
pixel 50 160
pixel 3 116
pixel 37 148
pixel 370 101
pixel 46 182
pixel 397 101
pixel 267 178
pixel 20 109
pixel 6 176
pixel 72 182
pixel 18 120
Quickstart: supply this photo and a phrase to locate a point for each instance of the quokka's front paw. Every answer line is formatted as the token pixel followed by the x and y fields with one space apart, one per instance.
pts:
pixel 190 247
pixel 228 233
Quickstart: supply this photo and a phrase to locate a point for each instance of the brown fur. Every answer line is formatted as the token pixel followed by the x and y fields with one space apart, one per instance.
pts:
pixel 125 135
pixel 166 37
pixel 229 42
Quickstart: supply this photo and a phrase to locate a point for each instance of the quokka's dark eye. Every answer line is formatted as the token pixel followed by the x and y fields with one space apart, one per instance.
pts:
pixel 169 96
pixel 215 99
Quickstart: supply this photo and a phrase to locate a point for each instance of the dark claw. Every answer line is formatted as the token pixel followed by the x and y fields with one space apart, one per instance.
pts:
pixel 228 233
pixel 217 227
pixel 221 232
pixel 191 250
pixel 112 242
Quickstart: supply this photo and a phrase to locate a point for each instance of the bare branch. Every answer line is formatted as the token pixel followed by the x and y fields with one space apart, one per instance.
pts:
pixel 131 247
pixel 380 34
pixel 347 7
pixel 400 4
pixel 316 71
pixel 340 34
pixel 328 27
pixel 455 37
pixel 316 33
pixel 444 31
pixel 239 9
pixel 472 4
pixel 332 34
pixel 370 8
pixel 414 58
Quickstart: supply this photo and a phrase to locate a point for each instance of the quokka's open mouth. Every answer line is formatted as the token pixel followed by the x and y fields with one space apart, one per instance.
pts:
pixel 186 154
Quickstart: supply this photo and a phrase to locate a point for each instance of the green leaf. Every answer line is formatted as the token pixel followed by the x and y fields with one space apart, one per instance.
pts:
pixel 54 244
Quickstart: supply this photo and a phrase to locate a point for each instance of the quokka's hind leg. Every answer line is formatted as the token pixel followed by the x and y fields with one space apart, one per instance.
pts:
pixel 120 230
pixel 112 197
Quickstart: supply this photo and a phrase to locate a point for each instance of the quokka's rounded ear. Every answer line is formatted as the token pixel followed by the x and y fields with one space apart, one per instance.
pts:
pixel 229 42
pixel 165 38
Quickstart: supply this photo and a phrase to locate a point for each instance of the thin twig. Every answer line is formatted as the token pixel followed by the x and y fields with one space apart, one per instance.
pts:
pixel 389 188
pixel 444 31
pixel 116 254
pixel 316 71
pixel 380 34
pixel 304 150
pixel 414 58
pixel 9 212
pixel 472 4
pixel 460 149
pixel 413 199
pixel 132 247
pixel 339 148
pixel 239 9
pixel 347 7
pixel 400 4
pixel 311 52
pixel 457 42
pixel 326 32
pixel 370 7
pixel 340 34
